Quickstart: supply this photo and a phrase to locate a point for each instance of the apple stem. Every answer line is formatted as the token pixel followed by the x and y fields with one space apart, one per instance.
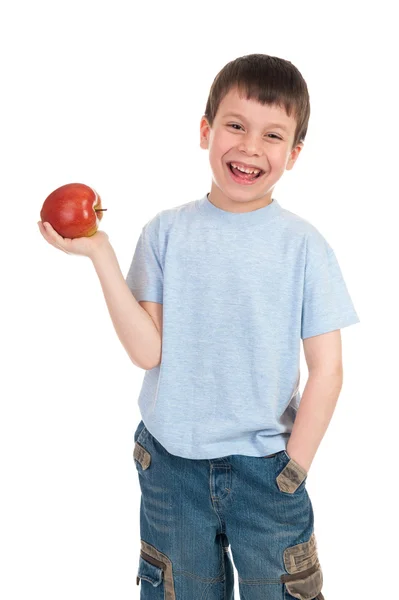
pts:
pixel 98 209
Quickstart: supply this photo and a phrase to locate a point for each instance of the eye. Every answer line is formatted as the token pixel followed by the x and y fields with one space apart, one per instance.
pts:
pixel 272 134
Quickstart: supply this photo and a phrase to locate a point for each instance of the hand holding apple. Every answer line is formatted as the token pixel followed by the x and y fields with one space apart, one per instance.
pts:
pixel 84 246
pixel 70 219
pixel 73 210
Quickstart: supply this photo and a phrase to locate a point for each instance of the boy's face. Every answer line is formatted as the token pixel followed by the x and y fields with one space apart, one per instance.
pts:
pixel 250 139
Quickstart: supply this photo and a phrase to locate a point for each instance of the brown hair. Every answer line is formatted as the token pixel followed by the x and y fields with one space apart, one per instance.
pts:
pixel 267 79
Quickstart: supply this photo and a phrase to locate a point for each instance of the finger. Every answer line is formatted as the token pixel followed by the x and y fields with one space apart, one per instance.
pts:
pixel 50 229
pixel 52 234
pixel 43 231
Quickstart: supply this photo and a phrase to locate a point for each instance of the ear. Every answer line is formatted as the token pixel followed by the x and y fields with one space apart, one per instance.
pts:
pixel 293 156
pixel 204 133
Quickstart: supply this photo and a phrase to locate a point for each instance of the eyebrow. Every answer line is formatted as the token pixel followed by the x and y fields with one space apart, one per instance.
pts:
pixel 278 125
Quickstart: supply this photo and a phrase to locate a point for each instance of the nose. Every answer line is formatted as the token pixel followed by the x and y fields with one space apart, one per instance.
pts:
pixel 250 145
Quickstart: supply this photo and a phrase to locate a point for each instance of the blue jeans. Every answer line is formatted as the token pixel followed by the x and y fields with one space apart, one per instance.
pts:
pixel 196 514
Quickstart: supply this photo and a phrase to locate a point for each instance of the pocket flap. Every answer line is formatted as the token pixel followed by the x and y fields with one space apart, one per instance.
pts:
pixel 149 572
pixel 301 556
pixel 142 455
pixel 291 477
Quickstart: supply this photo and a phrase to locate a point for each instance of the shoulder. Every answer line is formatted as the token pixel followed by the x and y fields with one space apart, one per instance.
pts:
pixel 164 219
pixel 295 225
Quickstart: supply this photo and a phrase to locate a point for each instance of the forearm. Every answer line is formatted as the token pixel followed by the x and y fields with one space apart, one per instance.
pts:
pixel 135 328
pixel 314 414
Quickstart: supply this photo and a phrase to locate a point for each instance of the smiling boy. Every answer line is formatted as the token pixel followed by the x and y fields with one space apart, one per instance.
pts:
pixel 233 282
pixel 220 292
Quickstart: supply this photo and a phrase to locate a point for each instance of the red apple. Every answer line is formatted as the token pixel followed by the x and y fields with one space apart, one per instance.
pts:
pixel 73 210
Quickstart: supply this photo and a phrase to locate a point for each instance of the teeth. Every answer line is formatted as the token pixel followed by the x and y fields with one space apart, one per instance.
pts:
pixel 245 170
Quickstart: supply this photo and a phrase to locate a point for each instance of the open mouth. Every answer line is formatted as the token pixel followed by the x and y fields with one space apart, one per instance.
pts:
pixel 243 178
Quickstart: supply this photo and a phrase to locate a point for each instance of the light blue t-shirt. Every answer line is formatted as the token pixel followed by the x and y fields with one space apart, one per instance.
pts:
pixel 239 292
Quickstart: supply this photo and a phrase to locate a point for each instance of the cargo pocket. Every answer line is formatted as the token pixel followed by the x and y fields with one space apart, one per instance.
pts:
pixel 305 579
pixel 156 568
pixel 291 477
pixel 141 456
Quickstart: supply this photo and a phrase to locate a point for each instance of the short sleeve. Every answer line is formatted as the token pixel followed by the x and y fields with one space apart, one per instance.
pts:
pixel 145 275
pixel 327 304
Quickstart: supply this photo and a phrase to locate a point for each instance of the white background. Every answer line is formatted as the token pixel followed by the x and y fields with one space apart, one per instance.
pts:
pixel 111 94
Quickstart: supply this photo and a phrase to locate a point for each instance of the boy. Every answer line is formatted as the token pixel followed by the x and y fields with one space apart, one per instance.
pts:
pixel 219 294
